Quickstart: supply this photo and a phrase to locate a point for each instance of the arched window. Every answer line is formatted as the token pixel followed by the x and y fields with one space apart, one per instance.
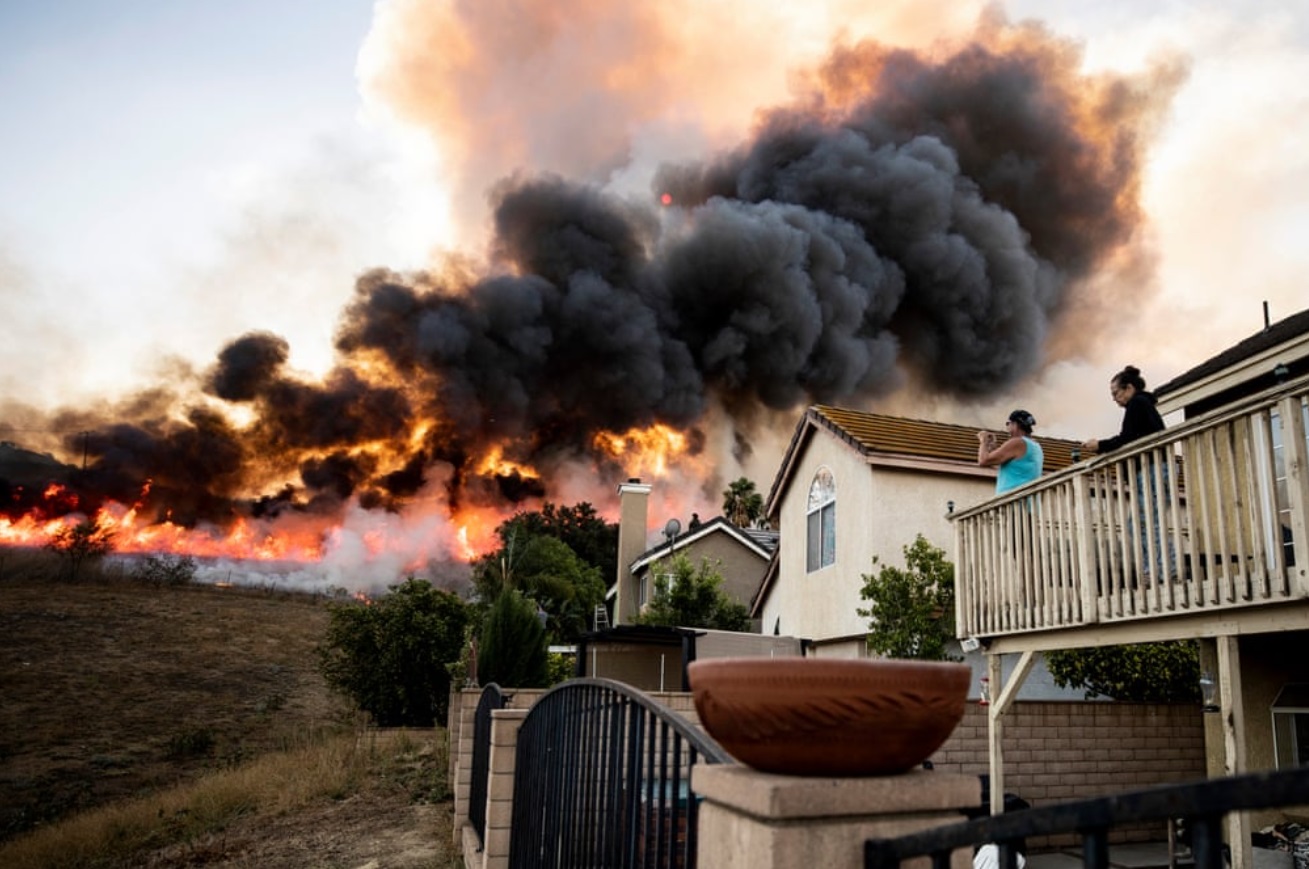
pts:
pixel 821 516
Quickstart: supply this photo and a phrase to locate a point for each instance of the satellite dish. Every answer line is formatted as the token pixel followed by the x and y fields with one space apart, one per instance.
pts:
pixel 672 528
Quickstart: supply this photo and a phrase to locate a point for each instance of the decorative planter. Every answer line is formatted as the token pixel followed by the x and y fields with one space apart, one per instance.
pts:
pixel 829 717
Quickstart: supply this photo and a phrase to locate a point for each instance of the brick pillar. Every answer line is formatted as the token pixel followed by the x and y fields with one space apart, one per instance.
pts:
pixel 756 820
pixel 500 789
pixel 461 747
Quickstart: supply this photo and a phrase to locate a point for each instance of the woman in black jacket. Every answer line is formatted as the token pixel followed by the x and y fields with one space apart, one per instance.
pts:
pixel 1141 418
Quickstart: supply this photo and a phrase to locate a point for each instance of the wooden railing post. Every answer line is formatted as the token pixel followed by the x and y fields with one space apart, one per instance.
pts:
pixel 1086 566
pixel 1295 451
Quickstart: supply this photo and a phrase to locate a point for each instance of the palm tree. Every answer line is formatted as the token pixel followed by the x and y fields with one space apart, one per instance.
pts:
pixel 742 505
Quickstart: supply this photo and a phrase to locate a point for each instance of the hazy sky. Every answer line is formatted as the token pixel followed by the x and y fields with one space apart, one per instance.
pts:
pixel 173 175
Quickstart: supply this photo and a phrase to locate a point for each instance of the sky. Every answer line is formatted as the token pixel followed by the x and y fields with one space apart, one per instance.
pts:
pixel 174 175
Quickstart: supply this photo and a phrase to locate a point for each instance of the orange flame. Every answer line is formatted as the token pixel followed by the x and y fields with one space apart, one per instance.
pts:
pixel 495 463
pixel 645 452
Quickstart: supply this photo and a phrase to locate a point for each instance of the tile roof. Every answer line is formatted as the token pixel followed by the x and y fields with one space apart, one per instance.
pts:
pixel 875 433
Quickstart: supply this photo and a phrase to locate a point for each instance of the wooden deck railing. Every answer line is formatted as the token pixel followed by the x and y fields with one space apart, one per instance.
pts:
pixel 1208 515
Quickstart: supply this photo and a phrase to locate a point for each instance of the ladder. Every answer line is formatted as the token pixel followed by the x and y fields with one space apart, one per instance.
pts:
pixel 601 617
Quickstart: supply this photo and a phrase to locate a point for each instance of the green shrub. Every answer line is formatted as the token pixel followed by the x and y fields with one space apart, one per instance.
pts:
pixel 513 648
pixel 165 570
pixel 1166 672
pixel 689 597
pixel 912 610
pixel 391 655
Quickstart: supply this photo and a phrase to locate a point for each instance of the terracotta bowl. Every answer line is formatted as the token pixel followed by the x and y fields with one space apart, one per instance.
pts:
pixel 829 717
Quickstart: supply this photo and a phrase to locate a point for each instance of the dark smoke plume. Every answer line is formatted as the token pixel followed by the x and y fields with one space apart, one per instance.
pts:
pixel 908 215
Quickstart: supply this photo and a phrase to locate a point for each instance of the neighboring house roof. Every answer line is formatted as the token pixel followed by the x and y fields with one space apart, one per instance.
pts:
pixel 1272 336
pixel 899 441
pixel 760 541
pixel 1278 354
pixel 765 537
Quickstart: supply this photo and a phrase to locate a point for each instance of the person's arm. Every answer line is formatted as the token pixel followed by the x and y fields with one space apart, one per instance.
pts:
pixel 1013 448
pixel 1139 419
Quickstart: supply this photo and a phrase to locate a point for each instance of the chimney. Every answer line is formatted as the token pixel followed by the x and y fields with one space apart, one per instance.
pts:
pixel 633 505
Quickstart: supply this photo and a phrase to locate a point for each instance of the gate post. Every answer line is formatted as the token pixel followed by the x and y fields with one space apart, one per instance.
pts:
pixel 461 754
pixel 505 724
pixel 756 820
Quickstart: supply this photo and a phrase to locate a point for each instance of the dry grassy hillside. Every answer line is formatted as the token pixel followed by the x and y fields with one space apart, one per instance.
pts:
pixel 113 689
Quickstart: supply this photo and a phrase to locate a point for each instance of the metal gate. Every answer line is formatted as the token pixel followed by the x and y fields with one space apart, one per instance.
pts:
pixel 492 699
pixel 602 778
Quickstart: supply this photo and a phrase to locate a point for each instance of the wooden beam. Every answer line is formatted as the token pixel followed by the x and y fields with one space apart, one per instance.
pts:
pixel 1232 706
pixel 995 735
pixel 1241 621
pixel 1003 695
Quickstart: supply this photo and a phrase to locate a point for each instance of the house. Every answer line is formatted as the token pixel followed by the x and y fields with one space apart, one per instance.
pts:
pixel 741 555
pixel 1221 500
pixel 656 658
pixel 853 486
pixel 1276 696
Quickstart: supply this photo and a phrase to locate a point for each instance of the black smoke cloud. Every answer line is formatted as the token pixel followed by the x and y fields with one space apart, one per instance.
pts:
pixel 907 214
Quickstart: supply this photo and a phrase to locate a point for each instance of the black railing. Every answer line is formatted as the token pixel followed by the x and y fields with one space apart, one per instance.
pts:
pixel 1200 806
pixel 602 778
pixel 492 699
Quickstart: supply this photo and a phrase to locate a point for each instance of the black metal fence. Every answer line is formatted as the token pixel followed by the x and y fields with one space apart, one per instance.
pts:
pixel 1201 807
pixel 602 778
pixel 480 774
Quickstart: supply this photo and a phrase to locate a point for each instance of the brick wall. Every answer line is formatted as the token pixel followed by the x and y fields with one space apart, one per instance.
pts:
pixel 1056 751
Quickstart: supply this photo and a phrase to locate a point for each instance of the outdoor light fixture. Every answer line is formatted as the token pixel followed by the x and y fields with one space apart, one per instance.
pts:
pixel 1208 692
pixel 1281 372
pixel 949 506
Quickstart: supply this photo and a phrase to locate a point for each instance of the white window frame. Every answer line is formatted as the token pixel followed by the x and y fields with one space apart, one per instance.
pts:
pixel 820 520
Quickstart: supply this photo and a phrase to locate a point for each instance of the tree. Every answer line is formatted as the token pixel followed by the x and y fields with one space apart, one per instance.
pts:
pixel 742 505
pixel 390 655
pixel 1167 672
pixel 594 540
pixel 78 545
pixel 912 610
pixel 513 650
pixel 545 569
pixel 687 597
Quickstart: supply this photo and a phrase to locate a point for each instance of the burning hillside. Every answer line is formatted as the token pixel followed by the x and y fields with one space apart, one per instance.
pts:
pixel 909 218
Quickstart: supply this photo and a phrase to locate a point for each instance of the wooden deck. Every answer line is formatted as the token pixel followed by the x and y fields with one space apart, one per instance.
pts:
pixel 1179 535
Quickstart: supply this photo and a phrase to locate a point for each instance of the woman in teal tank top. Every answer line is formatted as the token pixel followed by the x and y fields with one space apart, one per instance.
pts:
pixel 1019 459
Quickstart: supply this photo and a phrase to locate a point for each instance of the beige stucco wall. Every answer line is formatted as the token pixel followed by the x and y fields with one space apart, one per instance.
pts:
pixel 742 569
pixel 879 511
